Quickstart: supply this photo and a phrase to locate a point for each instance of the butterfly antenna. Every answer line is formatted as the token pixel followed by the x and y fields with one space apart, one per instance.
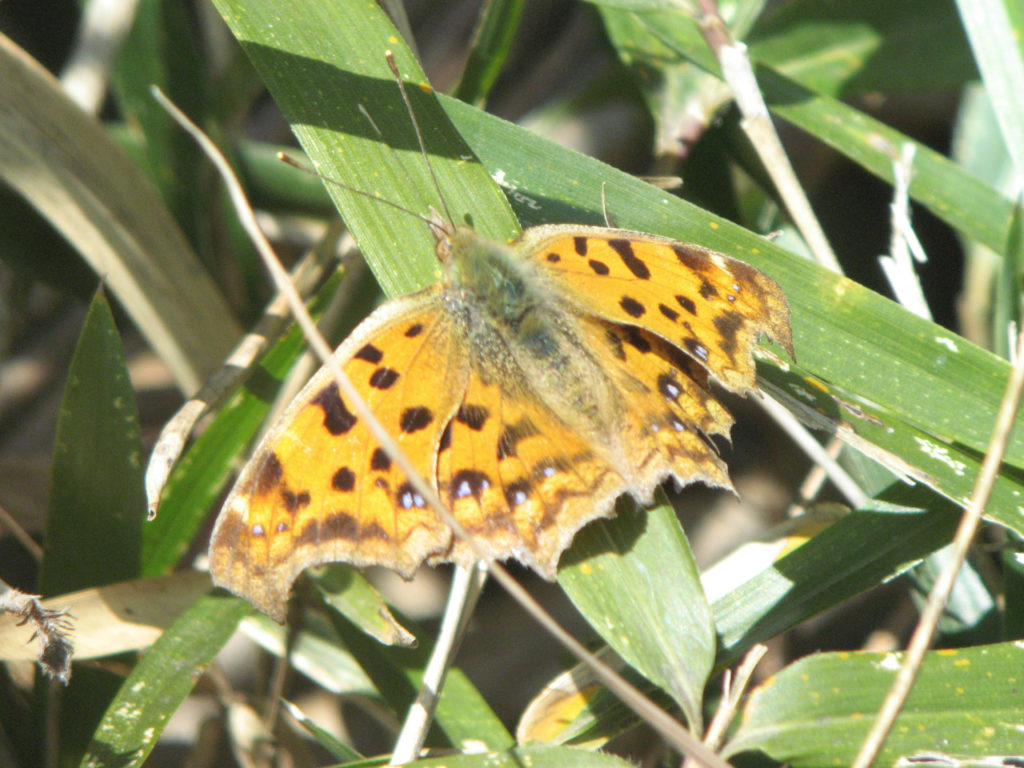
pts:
pixel 298 166
pixel 419 134
pixel 399 160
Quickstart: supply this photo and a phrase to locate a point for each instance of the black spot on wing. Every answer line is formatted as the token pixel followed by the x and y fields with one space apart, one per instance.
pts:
pixel 446 438
pixel 690 259
pixel 369 354
pixel 687 304
pixel 728 325
pixel 340 525
pixel 408 497
pixel 696 349
pixel 469 482
pixel 518 492
pixel 343 480
pixel 632 307
pixel 414 419
pixel 635 265
pixel 380 461
pixel 269 475
pixel 473 416
pixel 637 340
pixel 337 418
pixel 383 378
pixel 292 501
pixel 512 434
pixel 669 387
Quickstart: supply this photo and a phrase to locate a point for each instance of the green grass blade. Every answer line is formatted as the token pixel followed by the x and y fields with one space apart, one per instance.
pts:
pixel 65 163
pixel 94 524
pixel 850 48
pixel 492 40
pixel 964 202
pixel 965 706
pixel 634 579
pixel 995 41
pixel 967 204
pixel 338 749
pixel 866 548
pixel 323 62
pixel 162 50
pixel 161 680
pixel 462 714
pixel 349 593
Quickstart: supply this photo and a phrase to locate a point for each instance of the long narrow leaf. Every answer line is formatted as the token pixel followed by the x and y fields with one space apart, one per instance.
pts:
pixel 633 577
pixel 94 525
pixel 964 709
pixel 163 678
pixel 66 164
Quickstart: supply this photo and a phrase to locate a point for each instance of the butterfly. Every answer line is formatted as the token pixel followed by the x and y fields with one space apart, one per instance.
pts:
pixel 541 379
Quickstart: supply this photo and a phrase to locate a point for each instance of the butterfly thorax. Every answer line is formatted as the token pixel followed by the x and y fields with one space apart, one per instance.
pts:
pixel 492 276
pixel 521 335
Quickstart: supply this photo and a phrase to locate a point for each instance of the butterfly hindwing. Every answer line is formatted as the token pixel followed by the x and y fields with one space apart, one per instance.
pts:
pixel 519 480
pixel 672 413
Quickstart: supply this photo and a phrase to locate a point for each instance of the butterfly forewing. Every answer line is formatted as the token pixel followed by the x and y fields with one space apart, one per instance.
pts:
pixel 319 488
pixel 713 307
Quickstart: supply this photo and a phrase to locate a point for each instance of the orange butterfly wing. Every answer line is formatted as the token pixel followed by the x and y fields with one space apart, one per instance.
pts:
pixel 709 305
pixel 519 480
pixel 319 488
pixel 671 414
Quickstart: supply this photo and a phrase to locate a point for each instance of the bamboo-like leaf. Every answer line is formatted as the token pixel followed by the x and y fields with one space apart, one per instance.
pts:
pixel 161 680
pixel 492 40
pixel 863 549
pixel 996 44
pixel 325 65
pixel 634 579
pixel 964 707
pixel 65 163
pixel 955 196
pixel 462 714
pixel 94 524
